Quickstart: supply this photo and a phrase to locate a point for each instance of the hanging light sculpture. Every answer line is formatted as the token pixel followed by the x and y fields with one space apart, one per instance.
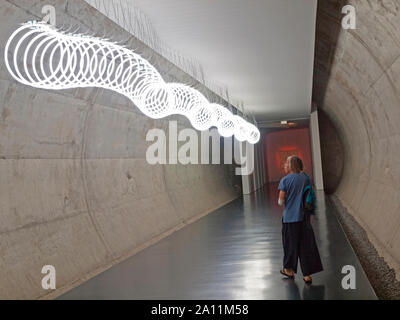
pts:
pixel 41 56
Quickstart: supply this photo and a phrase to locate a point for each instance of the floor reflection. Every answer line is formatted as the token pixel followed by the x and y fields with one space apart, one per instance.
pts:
pixel 292 290
pixel 313 292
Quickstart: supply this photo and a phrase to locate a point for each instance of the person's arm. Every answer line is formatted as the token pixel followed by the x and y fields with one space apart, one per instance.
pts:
pixel 281 198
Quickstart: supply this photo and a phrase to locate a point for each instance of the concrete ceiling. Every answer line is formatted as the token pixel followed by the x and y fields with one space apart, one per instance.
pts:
pixel 262 51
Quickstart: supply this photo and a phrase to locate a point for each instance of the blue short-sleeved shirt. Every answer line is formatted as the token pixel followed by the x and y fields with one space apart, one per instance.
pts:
pixel 293 184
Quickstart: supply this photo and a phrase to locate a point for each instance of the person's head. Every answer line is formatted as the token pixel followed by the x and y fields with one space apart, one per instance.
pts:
pixel 293 164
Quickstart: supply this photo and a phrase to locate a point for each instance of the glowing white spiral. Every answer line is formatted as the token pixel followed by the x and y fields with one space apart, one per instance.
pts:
pixel 38 55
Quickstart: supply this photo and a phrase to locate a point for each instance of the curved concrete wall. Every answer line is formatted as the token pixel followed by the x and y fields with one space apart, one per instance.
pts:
pixel 332 154
pixel 75 189
pixel 357 83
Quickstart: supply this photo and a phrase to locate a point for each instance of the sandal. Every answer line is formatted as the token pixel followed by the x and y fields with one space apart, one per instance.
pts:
pixel 308 281
pixel 286 275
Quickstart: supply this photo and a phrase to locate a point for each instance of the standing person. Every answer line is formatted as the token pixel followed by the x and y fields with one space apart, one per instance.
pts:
pixel 297 233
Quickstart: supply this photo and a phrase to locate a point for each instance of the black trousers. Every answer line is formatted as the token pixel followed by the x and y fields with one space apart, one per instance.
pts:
pixel 299 243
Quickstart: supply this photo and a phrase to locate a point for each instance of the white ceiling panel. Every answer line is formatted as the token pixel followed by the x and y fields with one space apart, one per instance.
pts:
pixel 262 51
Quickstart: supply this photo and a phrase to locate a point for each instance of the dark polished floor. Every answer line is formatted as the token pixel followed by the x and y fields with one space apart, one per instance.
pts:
pixel 232 253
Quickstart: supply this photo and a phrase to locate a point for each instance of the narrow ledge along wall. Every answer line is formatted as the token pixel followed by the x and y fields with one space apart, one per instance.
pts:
pixel 357 84
pixel 76 191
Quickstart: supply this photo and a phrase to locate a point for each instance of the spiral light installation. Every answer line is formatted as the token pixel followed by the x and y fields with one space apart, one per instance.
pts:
pixel 41 56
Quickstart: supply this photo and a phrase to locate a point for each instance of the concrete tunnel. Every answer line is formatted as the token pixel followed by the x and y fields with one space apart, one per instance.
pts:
pixel 77 193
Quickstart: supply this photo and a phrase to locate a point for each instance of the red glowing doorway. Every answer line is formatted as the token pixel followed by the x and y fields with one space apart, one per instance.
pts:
pixel 279 145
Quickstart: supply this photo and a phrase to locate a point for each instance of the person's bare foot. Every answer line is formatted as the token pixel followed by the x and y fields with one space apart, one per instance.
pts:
pixel 288 272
